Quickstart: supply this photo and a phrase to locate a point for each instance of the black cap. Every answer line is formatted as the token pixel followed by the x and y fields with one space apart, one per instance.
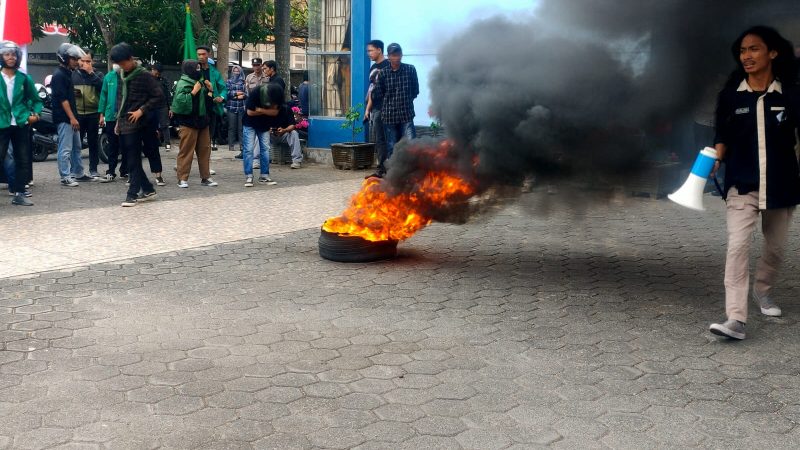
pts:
pixel 394 48
pixel 256 61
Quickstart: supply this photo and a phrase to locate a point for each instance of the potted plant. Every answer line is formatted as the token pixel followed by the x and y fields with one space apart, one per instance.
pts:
pixel 353 155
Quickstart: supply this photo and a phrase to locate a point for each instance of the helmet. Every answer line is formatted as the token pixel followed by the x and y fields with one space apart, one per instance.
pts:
pixel 67 50
pixel 10 47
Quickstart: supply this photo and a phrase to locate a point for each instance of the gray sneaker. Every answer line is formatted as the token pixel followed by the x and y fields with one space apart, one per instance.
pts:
pixel 267 180
pixel 767 305
pixel 730 328
pixel 209 182
pixel 68 182
pixel 20 200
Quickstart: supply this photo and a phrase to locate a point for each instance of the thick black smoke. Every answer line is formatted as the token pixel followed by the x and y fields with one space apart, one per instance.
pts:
pixel 572 94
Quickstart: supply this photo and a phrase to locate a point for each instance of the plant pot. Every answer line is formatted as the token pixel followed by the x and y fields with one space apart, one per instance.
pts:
pixel 353 155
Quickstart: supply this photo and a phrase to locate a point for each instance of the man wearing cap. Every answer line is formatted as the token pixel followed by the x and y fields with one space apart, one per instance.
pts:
pixel 258 77
pixel 397 87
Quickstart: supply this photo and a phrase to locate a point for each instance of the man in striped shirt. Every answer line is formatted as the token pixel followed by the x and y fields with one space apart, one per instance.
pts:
pixel 397 86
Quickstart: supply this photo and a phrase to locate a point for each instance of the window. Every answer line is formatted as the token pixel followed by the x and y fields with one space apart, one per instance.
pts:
pixel 329 57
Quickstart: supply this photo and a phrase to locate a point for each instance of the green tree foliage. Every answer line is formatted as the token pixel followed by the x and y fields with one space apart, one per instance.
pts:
pixel 155 27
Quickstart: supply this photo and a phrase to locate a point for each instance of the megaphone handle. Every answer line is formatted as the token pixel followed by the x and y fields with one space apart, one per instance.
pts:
pixel 719 188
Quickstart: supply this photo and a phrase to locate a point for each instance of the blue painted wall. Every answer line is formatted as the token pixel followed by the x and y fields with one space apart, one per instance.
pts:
pixel 323 131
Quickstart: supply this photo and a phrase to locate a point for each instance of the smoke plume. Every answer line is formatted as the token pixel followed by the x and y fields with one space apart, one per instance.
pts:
pixel 571 95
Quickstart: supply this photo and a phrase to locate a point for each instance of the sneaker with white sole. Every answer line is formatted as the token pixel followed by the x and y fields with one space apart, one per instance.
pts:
pixel 183 184
pixel 767 305
pixel 146 197
pixel 730 328
pixel 69 182
pixel 129 201
pixel 107 178
pixel 208 182
pixel 267 180
pixel 212 172
pixel 248 181
pixel 160 181
pixel 295 165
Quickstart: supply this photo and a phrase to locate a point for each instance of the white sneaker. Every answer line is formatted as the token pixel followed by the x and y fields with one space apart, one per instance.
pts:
pixel 212 172
pixel 295 165
pixel 767 305
pixel 209 183
pixel 183 184
pixel 248 182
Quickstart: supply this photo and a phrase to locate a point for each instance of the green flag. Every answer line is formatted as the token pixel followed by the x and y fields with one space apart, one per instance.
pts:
pixel 189 49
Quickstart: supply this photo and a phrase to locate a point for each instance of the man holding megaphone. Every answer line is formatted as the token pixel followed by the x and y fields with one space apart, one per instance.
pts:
pixel 758 115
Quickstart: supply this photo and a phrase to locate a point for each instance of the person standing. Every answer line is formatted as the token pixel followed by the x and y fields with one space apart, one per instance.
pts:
pixel 65 116
pixel 302 95
pixel 216 90
pixel 257 77
pixel 88 84
pixel 265 116
pixel 107 108
pixel 190 109
pixel 138 95
pixel 20 106
pixel 397 87
pixel 163 113
pixel 757 120
pixel 372 113
pixel 237 93
pixel 271 71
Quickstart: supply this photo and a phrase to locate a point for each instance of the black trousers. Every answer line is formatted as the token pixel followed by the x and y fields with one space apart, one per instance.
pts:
pixel 90 125
pixel 114 151
pixel 151 143
pixel 133 147
pixel 19 137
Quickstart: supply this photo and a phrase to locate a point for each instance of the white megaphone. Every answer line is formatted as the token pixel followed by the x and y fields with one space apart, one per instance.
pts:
pixel 690 194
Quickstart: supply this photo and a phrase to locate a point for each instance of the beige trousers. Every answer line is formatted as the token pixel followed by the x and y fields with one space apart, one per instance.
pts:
pixel 742 215
pixel 194 141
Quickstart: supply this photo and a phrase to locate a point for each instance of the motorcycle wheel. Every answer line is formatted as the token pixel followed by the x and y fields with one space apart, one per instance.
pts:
pixel 102 146
pixel 40 152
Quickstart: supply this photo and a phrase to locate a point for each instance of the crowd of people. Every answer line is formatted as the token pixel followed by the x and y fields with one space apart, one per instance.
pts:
pixel 134 108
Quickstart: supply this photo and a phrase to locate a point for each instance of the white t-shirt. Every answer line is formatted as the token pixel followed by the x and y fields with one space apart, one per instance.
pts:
pixel 10 93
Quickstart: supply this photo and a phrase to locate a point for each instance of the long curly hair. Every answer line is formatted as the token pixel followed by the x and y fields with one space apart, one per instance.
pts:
pixel 784 66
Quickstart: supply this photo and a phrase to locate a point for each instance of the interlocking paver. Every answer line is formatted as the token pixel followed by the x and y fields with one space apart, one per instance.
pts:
pixel 554 331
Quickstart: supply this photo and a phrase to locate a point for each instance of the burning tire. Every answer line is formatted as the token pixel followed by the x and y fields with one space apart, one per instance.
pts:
pixel 340 248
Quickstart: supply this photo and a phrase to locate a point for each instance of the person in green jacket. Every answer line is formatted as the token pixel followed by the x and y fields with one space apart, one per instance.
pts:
pixel 191 112
pixel 20 106
pixel 107 107
pixel 217 90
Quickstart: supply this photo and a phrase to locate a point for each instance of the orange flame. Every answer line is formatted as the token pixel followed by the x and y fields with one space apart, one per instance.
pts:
pixel 376 215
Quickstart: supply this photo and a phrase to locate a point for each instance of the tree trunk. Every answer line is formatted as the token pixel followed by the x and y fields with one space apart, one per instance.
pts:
pixel 224 39
pixel 283 23
pixel 108 36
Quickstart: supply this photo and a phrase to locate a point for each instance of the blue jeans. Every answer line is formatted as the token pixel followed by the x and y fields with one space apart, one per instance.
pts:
pixel 397 131
pixel 249 138
pixel 69 151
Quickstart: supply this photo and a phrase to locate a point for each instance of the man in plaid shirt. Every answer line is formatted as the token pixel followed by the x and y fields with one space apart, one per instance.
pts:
pixel 398 86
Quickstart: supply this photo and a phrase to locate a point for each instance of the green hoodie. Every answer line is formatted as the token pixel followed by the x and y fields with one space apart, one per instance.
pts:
pixel 108 97
pixel 26 101
pixel 183 100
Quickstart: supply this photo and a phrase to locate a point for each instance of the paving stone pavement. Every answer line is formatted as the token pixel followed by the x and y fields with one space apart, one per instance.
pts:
pixel 530 327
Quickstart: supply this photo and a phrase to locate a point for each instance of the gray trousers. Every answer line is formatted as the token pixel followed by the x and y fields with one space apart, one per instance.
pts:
pixel 742 214
pixel 235 128
pixel 293 140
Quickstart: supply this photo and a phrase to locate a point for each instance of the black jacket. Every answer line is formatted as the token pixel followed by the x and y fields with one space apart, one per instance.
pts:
pixel 759 133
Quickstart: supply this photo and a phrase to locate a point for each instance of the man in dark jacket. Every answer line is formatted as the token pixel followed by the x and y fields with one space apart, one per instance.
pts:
pixel 88 85
pixel 65 116
pixel 138 94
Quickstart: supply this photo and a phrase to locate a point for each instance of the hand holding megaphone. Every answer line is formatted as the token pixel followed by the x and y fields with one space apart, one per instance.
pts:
pixel 690 194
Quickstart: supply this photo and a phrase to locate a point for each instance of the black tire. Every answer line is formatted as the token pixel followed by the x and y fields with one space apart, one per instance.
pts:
pixel 40 152
pixel 102 148
pixel 339 248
